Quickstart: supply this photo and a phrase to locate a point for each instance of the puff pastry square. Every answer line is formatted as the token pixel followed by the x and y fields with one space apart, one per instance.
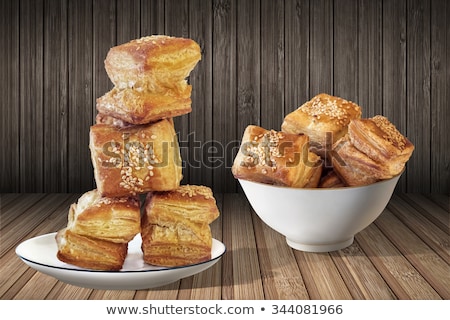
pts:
pixel 143 106
pixel 372 150
pixel 324 119
pixel 111 219
pixel 175 227
pixel 90 253
pixel 277 158
pixel 152 62
pixel 136 159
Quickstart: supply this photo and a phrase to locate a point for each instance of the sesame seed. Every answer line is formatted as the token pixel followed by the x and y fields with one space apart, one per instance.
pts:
pixel 391 134
pixel 332 107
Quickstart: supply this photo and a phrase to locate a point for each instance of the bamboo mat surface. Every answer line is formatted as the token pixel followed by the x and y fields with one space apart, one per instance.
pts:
pixel 404 254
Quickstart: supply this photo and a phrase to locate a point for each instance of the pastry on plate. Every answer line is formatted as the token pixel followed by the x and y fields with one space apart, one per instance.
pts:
pixel 112 219
pixel 175 227
pixel 90 253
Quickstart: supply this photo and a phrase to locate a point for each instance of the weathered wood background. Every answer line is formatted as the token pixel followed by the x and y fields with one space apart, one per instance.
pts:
pixel 261 60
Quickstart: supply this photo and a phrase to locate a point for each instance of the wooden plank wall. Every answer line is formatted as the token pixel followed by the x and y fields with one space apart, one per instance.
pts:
pixel 260 60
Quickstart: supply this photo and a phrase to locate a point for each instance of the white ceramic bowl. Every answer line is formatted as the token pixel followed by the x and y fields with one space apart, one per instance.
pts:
pixel 319 220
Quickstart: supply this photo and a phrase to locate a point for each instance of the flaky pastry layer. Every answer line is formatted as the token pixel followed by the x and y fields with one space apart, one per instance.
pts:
pixel 135 160
pixel 175 227
pixel 111 219
pixel 278 158
pixel 152 62
pixel 141 107
pixel 324 119
pixel 90 253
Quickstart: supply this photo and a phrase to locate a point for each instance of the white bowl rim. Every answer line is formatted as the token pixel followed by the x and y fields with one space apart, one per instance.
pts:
pixel 324 189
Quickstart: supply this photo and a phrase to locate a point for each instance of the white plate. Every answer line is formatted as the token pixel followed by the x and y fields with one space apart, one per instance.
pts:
pixel 40 254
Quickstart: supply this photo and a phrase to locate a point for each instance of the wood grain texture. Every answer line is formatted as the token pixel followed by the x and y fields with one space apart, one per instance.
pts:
pixel 10 110
pixel 260 60
pixel 30 102
pixel 80 107
pixel 394 67
pixel 418 93
pixel 272 60
pixel 440 95
pixel 404 254
pixel 224 117
pixel 321 47
pixel 370 37
pixel 200 124
pixel 296 54
pixel 345 53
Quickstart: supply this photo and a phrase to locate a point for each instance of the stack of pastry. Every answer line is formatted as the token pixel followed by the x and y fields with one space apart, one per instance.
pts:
pixel 333 146
pixel 175 226
pixel 134 147
pixel 134 151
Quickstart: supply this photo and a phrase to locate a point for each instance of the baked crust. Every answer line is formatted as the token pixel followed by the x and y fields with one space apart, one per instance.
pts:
pixel 111 219
pixel 380 140
pixel 331 180
pixel 152 62
pixel 353 167
pixel 101 118
pixel 140 107
pixel 90 253
pixel 175 227
pixel 372 150
pixel 135 160
pixel 277 158
pixel 324 119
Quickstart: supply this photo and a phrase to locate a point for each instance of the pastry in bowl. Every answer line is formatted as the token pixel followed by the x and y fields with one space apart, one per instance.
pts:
pixel 372 150
pixel 277 158
pixel 324 119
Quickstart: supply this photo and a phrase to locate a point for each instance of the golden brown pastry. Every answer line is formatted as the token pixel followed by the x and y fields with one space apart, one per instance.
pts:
pixel 175 227
pixel 353 167
pixel 101 118
pixel 112 219
pixel 140 107
pixel 372 150
pixel 330 180
pixel 324 119
pixel 278 158
pixel 149 75
pixel 152 62
pixel 135 160
pixel 90 253
pixel 380 140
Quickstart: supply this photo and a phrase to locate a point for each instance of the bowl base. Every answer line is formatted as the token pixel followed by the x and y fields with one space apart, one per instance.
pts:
pixel 320 247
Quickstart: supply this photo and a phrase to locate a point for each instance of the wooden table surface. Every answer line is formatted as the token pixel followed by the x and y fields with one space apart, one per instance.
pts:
pixel 404 254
